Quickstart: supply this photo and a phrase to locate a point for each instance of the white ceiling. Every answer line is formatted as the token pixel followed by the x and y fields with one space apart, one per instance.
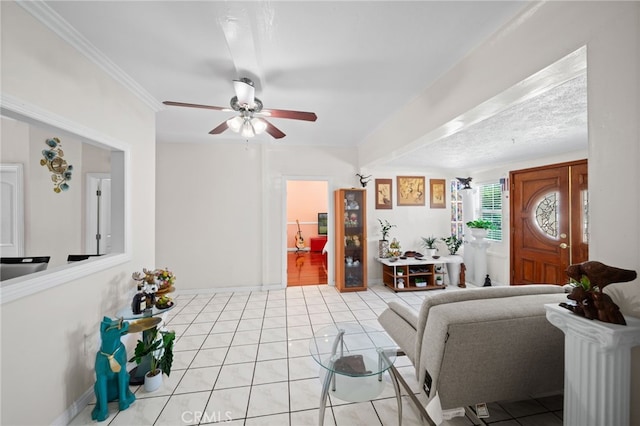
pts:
pixel 353 63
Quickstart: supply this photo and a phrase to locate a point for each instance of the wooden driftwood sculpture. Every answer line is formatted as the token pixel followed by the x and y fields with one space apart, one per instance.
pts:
pixel 590 301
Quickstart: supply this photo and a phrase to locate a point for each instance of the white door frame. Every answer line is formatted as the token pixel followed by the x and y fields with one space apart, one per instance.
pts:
pixel 330 226
pixel 13 188
pixel 93 182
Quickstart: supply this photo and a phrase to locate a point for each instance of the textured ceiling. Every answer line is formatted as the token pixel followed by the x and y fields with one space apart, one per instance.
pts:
pixel 352 63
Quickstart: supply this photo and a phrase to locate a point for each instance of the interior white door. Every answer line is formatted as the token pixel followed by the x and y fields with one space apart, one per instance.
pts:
pixel 98 214
pixel 12 210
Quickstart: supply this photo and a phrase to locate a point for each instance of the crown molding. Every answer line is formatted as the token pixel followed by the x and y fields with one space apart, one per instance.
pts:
pixel 56 23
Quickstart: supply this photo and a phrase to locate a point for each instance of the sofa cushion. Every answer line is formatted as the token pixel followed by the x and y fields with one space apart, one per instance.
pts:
pixel 399 322
pixel 473 294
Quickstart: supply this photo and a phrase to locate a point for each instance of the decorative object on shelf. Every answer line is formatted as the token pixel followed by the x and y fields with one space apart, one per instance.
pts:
pixel 438 191
pixel 383 244
pixel 439 280
pixel 465 182
pixel 364 180
pixel 429 244
pixel 150 284
pixel 350 202
pixel 453 243
pixel 112 378
pixel 463 271
pixel 164 302
pixel 589 279
pixel 394 248
pixel 384 194
pixel 411 191
pixel 158 346
pixel 60 169
pixel 487 281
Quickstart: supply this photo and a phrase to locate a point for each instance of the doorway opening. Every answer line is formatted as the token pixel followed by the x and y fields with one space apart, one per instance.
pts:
pixel 307 228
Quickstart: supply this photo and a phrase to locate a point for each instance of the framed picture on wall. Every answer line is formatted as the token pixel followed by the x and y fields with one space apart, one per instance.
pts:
pixel 384 194
pixel 438 191
pixel 411 191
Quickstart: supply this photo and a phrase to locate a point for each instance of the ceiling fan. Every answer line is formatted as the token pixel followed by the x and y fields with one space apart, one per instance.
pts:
pixel 250 122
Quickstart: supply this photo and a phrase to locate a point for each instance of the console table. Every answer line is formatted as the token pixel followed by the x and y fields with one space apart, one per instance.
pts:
pixel 413 274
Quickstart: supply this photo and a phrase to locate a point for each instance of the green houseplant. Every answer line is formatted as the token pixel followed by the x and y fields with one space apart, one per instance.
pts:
pixel 481 224
pixel 385 227
pixel 453 243
pixel 383 244
pixel 429 244
pixel 156 347
pixel 480 228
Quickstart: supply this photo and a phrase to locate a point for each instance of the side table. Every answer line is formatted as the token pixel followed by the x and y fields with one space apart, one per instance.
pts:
pixel 136 375
pixel 353 352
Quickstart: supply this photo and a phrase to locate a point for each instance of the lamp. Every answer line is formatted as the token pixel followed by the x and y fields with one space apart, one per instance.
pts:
pixel 246 125
pixel 235 123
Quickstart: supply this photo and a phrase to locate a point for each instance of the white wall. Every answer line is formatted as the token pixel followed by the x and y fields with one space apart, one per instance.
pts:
pixel 221 219
pixel 49 337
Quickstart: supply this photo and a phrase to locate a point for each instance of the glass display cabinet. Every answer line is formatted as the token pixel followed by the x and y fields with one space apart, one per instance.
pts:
pixel 351 239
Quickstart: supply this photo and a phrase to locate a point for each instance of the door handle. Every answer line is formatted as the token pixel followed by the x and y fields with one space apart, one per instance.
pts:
pixel 564 246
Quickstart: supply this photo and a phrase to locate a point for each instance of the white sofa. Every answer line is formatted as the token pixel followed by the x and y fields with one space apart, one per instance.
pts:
pixel 483 344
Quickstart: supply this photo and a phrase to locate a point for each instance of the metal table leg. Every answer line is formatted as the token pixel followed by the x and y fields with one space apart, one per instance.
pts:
pixel 330 378
pixel 394 379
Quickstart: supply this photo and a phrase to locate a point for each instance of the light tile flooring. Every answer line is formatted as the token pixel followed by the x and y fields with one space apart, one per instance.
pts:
pixel 243 359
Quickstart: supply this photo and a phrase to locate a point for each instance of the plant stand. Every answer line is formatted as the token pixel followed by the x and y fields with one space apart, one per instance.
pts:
pixel 479 270
pixel 597 378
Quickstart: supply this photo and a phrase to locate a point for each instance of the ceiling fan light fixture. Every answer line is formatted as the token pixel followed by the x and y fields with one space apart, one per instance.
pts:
pixel 235 123
pixel 259 125
pixel 247 130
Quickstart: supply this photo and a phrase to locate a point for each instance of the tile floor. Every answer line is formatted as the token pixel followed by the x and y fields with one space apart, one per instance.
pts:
pixel 243 359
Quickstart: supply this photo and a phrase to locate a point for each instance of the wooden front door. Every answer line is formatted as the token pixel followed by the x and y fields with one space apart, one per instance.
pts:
pixel 548 222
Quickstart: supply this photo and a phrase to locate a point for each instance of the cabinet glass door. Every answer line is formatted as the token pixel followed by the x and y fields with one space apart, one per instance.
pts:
pixel 354 241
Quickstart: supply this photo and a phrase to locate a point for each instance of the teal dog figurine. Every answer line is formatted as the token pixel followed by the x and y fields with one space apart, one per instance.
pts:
pixel 112 378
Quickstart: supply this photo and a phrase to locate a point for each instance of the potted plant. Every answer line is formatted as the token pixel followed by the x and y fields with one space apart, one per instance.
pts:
pixel 429 244
pixel 383 244
pixel 453 262
pixel 480 228
pixel 453 243
pixel 156 348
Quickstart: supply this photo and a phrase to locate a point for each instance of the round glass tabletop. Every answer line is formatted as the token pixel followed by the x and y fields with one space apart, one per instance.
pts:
pixel 352 349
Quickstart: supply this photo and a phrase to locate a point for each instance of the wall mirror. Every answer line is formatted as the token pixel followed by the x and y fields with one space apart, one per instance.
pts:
pixel 87 217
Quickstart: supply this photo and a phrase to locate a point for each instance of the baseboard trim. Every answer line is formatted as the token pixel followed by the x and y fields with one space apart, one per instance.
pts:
pixel 74 409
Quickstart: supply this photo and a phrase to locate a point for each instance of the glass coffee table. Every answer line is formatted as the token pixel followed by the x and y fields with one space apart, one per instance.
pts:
pixel 354 357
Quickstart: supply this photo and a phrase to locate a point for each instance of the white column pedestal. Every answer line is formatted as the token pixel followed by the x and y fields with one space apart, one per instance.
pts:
pixel 597 378
pixel 479 261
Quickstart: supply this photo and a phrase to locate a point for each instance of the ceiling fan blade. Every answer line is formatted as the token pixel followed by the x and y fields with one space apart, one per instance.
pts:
pixel 245 92
pixel 274 131
pixel 295 115
pixel 221 128
pixel 182 104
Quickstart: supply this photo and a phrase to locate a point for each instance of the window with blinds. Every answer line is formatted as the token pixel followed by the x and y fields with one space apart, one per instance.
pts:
pixel 491 208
